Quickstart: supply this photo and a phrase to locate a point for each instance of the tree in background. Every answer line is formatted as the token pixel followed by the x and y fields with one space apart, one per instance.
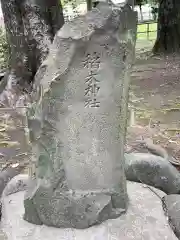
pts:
pixel 168 34
pixel 30 28
pixel 154 8
pixel 89 5
pixel 154 12
pixel 140 3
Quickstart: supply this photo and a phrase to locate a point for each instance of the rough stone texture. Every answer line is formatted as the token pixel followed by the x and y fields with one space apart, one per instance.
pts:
pixel 7 175
pixel 78 122
pixel 171 205
pixel 18 183
pixel 152 170
pixel 144 220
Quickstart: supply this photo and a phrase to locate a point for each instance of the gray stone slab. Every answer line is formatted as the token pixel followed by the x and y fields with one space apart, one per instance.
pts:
pixel 144 220
pixel 17 183
pixel 171 205
pixel 78 121
pixel 152 170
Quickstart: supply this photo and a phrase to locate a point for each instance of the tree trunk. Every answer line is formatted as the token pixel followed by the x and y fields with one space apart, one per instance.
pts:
pixel 140 9
pixel 30 26
pixel 168 34
pixel 89 5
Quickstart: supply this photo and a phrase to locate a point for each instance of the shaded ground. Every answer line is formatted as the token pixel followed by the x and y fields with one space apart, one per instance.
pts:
pixel 14 146
pixel 156 89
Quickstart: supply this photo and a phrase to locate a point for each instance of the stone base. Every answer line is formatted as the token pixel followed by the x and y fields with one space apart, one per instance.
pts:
pixel 68 209
pixel 144 220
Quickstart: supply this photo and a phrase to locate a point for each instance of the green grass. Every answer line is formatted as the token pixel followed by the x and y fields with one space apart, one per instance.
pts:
pixel 143 28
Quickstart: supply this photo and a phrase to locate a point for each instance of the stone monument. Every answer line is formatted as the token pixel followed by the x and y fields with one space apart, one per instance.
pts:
pixel 77 126
pixel 78 122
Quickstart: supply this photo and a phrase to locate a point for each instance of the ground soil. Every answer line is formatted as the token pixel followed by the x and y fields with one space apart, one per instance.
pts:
pixel 155 95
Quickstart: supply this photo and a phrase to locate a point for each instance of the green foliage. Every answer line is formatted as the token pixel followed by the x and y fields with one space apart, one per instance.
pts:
pixel 140 2
pixel 64 2
pixel 4 50
pixel 74 3
pixel 153 2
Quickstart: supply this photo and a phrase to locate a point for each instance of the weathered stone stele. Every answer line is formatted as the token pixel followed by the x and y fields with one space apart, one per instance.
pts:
pixel 78 122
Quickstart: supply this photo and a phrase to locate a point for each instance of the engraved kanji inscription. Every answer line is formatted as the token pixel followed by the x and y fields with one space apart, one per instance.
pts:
pixel 92 103
pixel 92 62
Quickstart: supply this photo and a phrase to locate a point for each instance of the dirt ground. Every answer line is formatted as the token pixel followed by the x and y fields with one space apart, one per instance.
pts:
pixel 155 98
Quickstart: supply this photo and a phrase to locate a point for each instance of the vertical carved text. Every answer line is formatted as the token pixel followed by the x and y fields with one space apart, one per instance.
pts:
pixel 92 63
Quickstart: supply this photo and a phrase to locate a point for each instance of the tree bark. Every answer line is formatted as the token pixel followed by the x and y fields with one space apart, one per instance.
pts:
pixel 168 34
pixel 89 5
pixel 30 26
pixel 140 8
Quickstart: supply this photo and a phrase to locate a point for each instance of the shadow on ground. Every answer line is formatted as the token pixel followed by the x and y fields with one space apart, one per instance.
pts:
pixel 155 96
